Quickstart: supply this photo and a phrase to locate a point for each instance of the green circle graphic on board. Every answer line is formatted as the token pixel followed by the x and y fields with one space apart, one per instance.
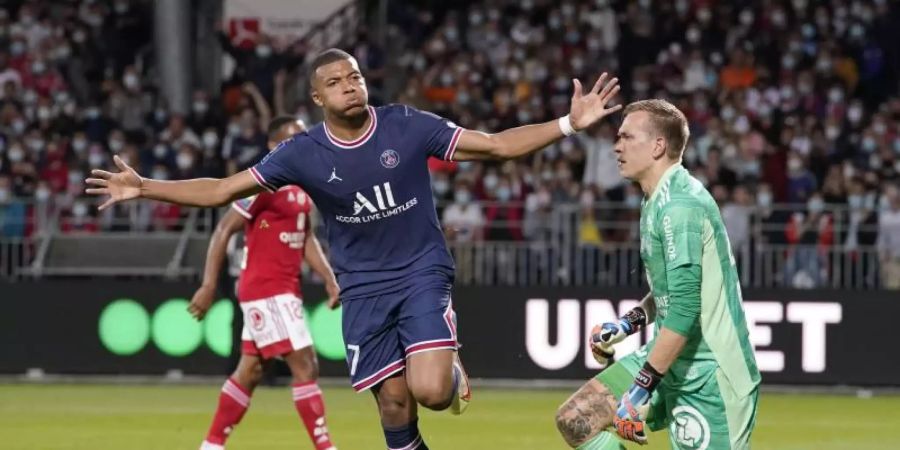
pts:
pixel 174 331
pixel 124 327
pixel 217 327
pixel 325 327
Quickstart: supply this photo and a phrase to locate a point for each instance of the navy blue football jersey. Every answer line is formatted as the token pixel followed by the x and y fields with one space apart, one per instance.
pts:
pixel 374 195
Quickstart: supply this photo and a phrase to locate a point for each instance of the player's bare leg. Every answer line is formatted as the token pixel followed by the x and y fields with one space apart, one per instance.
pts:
pixel 437 380
pixel 582 420
pixel 234 401
pixel 249 371
pixel 303 364
pixel 307 395
pixel 398 412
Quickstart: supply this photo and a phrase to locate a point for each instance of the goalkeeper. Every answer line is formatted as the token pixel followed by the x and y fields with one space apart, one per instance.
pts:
pixel 697 375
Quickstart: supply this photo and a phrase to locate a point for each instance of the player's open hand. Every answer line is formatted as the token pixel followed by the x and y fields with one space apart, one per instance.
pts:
pixel 201 301
pixel 334 295
pixel 121 186
pixel 588 108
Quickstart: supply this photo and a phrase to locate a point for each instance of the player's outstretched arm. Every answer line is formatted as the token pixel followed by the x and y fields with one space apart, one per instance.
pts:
pixel 586 110
pixel 231 223
pixel 127 185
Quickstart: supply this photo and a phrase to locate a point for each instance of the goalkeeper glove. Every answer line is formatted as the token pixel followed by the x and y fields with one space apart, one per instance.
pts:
pixel 614 332
pixel 634 405
pixel 602 351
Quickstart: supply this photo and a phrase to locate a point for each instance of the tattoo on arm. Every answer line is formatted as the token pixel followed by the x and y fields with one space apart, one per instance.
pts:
pixel 588 412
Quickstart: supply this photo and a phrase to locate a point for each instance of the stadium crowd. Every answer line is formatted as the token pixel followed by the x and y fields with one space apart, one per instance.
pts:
pixel 790 102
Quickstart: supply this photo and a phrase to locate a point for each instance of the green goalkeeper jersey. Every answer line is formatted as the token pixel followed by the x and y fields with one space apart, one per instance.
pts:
pixel 694 283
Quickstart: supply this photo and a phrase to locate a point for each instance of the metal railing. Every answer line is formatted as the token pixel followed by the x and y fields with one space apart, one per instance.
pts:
pixel 16 255
pixel 552 252
pixel 618 265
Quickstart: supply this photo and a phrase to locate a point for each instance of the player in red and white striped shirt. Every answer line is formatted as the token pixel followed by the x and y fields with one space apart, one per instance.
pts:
pixel 278 237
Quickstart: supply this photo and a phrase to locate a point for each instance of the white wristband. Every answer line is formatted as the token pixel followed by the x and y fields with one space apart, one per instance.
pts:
pixel 565 125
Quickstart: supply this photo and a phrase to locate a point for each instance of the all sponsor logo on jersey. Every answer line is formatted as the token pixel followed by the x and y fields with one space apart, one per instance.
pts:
pixel 384 206
pixel 390 158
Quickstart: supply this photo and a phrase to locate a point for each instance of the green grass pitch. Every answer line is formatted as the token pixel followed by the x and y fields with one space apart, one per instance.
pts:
pixel 82 417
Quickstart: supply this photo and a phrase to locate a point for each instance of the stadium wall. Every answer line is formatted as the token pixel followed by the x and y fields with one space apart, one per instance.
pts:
pixel 141 327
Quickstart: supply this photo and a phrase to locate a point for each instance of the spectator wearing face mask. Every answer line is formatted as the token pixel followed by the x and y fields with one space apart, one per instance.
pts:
pixel 43 78
pixel 601 168
pixel 127 103
pixel 462 218
pixel 810 236
pixel 801 182
pixel 186 163
pixel 736 216
pixel 502 215
pixel 178 134
pixel 588 229
pixel 889 238
pixel 22 169
pixel 536 223
pixel 257 65
pixel 96 124
pixel 204 114
pixel 79 219
pixel 212 162
pixel 42 214
pixel 12 211
pixel 247 147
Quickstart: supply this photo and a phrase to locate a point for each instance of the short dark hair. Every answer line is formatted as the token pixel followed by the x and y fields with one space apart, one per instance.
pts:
pixel 326 57
pixel 276 124
pixel 668 121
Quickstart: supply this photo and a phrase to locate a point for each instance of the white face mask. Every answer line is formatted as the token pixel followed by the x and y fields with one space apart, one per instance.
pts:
pixel 200 107
pixel 42 194
pixel 441 187
pixel 131 81
pixel 79 210
pixel 263 51
pixel 816 205
pixel 210 140
pixel 79 145
pixel 160 151
pixel 16 154
pixel 4 195
pixel 95 159
pixel 490 181
pixel 116 145
pixel 184 161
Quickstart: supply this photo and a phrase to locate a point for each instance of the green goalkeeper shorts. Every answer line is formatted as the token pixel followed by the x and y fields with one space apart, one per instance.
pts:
pixel 710 418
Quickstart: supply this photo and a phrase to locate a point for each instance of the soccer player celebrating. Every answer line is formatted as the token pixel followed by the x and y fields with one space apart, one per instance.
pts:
pixel 278 238
pixel 366 170
pixel 698 375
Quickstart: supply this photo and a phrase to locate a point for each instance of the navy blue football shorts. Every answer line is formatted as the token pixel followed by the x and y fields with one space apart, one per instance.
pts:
pixel 380 332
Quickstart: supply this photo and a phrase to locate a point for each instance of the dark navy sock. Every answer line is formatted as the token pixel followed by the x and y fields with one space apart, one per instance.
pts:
pixel 406 437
